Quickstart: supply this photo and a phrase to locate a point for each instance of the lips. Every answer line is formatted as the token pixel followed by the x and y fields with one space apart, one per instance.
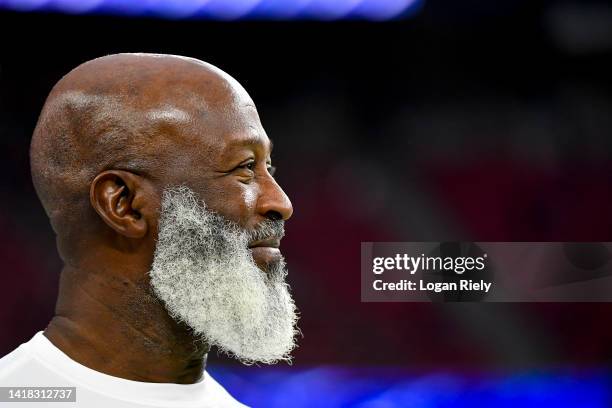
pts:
pixel 266 243
pixel 266 251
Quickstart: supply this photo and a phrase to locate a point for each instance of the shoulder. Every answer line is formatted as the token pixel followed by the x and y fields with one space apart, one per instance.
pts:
pixel 219 395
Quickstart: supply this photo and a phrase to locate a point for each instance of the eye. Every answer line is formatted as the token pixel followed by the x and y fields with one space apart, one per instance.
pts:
pixel 249 165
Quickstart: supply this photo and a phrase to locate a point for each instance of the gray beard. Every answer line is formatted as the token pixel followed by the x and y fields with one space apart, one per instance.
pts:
pixel 205 274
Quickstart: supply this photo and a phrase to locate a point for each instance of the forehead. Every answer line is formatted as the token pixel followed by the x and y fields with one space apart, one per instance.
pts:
pixel 209 118
pixel 221 135
pixel 252 139
pixel 206 145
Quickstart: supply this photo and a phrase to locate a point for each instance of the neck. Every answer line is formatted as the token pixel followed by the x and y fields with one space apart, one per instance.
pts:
pixel 115 325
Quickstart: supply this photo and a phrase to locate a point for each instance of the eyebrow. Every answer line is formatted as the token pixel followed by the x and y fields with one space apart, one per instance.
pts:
pixel 252 140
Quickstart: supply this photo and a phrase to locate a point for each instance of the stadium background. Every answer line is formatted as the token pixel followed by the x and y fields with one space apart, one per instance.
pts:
pixel 457 120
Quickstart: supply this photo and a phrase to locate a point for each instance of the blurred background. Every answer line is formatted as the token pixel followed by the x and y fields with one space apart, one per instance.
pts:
pixel 392 121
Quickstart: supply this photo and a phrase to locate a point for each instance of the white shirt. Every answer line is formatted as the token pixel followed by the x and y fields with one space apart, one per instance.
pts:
pixel 38 363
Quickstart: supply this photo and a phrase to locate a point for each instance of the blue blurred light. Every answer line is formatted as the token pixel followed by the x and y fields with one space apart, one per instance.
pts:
pixel 329 10
pixel 127 8
pixel 74 7
pixel 174 8
pixel 385 10
pixel 23 5
pixel 396 388
pixel 228 9
pixel 279 9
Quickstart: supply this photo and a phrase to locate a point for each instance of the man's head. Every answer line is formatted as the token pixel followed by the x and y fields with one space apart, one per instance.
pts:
pixel 157 167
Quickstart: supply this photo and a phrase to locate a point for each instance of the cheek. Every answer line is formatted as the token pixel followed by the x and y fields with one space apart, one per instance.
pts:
pixel 233 200
pixel 245 203
pixel 249 197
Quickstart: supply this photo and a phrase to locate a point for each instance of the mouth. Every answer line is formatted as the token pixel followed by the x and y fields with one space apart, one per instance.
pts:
pixel 273 242
pixel 266 251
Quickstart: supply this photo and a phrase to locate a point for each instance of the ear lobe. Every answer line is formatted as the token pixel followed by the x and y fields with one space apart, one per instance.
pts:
pixel 118 197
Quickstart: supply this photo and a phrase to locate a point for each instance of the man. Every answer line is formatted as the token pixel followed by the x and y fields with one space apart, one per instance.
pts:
pixel 155 173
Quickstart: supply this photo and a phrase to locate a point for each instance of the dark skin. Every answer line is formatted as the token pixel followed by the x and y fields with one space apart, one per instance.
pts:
pixel 208 137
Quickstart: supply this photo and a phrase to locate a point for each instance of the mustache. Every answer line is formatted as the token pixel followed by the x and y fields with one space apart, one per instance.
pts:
pixel 268 229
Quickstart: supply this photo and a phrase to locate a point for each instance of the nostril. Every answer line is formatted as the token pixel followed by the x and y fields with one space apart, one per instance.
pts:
pixel 274 215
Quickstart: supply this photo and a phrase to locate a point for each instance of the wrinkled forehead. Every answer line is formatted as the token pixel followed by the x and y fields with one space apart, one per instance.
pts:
pixel 231 133
pixel 211 133
pixel 214 125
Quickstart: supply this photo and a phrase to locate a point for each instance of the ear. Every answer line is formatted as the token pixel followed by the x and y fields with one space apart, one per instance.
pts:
pixel 120 198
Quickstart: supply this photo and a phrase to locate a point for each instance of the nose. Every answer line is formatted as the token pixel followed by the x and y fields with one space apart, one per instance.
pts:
pixel 273 203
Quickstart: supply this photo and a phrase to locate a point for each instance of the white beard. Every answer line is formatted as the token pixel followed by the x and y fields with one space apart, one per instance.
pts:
pixel 205 274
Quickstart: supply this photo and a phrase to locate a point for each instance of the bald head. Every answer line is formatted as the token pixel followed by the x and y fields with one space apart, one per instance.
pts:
pixel 132 112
